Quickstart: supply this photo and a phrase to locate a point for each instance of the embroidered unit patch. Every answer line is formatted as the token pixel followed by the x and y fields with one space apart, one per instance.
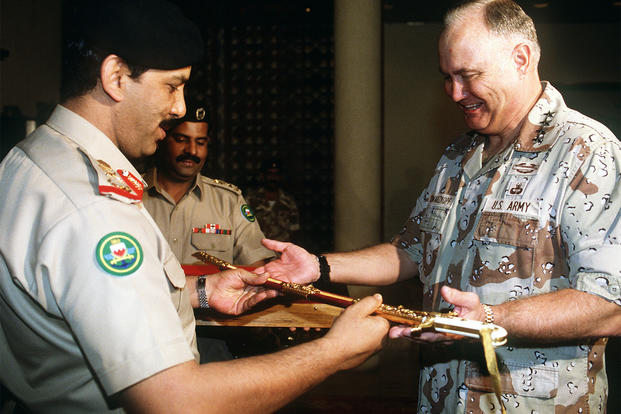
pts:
pixel 119 254
pixel 247 213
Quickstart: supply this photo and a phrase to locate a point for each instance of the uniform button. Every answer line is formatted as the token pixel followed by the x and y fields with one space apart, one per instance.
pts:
pixel 614 289
pixel 175 240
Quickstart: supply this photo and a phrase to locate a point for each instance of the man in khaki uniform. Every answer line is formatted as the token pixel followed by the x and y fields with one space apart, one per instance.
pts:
pixel 197 213
pixel 95 311
pixel 194 212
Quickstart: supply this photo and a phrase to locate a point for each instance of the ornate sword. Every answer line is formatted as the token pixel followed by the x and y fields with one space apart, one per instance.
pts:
pixel 420 321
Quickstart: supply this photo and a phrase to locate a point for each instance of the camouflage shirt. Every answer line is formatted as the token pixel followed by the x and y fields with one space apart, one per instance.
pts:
pixel 541 216
pixel 278 218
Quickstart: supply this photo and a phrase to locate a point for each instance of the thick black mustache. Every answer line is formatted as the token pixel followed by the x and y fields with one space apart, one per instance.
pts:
pixel 168 123
pixel 184 157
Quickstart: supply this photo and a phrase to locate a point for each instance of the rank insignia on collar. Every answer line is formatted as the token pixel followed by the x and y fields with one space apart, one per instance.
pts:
pixel 247 213
pixel 545 126
pixel 122 182
pixel 119 254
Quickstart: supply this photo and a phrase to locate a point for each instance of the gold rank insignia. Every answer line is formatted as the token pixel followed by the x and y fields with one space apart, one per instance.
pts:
pixel 122 182
pixel 225 184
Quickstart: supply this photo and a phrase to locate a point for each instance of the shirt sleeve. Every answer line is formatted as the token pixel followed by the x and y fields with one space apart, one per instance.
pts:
pixel 590 222
pixel 409 237
pixel 120 313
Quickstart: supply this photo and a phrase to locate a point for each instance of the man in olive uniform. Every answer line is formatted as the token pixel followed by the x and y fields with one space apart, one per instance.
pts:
pixel 95 310
pixel 198 213
pixel 194 212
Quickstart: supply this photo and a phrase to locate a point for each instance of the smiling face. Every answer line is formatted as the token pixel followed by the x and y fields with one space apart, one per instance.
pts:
pixel 152 99
pixel 184 151
pixel 482 77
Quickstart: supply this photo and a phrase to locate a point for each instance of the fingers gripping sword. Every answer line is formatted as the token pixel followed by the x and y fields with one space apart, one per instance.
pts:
pixel 491 335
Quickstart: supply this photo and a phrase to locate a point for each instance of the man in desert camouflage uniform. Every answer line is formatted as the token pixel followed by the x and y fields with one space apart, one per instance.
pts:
pixel 519 226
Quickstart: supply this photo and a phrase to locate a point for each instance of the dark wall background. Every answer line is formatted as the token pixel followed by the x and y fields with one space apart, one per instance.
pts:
pixel 268 78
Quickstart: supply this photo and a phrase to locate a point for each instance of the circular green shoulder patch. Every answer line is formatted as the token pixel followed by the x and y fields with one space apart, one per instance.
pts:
pixel 119 254
pixel 247 212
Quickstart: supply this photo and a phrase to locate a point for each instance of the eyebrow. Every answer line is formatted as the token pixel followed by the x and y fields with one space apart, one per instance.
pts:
pixel 179 134
pixel 458 72
pixel 179 78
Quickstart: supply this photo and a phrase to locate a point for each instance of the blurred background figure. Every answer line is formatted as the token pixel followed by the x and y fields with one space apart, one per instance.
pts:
pixel 275 209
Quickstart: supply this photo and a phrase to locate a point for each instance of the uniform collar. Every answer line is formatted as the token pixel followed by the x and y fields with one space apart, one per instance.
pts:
pixel 150 178
pixel 536 134
pixel 90 139
pixel 545 116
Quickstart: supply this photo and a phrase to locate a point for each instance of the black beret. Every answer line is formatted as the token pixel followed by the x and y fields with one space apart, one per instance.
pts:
pixel 195 111
pixel 195 104
pixel 150 33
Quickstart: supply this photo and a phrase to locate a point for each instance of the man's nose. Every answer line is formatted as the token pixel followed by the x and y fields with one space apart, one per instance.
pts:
pixel 178 108
pixel 190 147
pixel 456 90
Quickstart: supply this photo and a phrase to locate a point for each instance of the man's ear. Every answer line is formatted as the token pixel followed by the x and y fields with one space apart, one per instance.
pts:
pixel 113 73
pixel 522 57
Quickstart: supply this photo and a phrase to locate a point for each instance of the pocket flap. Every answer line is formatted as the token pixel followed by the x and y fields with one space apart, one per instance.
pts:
pixel 211 242
pixel 516 378
pixel 508 229
pixel 174 272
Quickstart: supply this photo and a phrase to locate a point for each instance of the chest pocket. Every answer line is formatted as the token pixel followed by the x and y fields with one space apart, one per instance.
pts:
pixel 516 378
pixel 433 218
pixel 212 242
pixel 431 226
pixel 507 250
pixel 506 228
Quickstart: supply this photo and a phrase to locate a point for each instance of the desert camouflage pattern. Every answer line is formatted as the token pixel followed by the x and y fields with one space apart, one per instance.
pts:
pixel 543 215
pixel 278 219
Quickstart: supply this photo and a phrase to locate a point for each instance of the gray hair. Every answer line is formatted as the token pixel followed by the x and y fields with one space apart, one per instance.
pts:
pixel 502 17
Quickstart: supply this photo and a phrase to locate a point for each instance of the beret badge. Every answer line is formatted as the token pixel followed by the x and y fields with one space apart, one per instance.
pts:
pixel 200 113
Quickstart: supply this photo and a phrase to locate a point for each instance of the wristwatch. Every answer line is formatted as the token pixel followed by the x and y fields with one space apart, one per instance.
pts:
pixel 203 303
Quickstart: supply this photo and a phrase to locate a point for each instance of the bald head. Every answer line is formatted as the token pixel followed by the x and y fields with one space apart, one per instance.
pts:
pixel 490 66
pixel 502 18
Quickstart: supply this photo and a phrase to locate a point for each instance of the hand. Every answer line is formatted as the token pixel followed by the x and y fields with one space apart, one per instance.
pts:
pixel 235 291
pixel 294 265
pixel 467 305
pixel 356 334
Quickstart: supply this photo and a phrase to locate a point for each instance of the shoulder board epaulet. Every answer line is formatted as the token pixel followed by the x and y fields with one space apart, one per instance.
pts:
pixel 119 184
pixel 222 184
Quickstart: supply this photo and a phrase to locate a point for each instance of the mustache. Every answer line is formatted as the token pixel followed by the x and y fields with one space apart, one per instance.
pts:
pixel 169 123
pixel 184 157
